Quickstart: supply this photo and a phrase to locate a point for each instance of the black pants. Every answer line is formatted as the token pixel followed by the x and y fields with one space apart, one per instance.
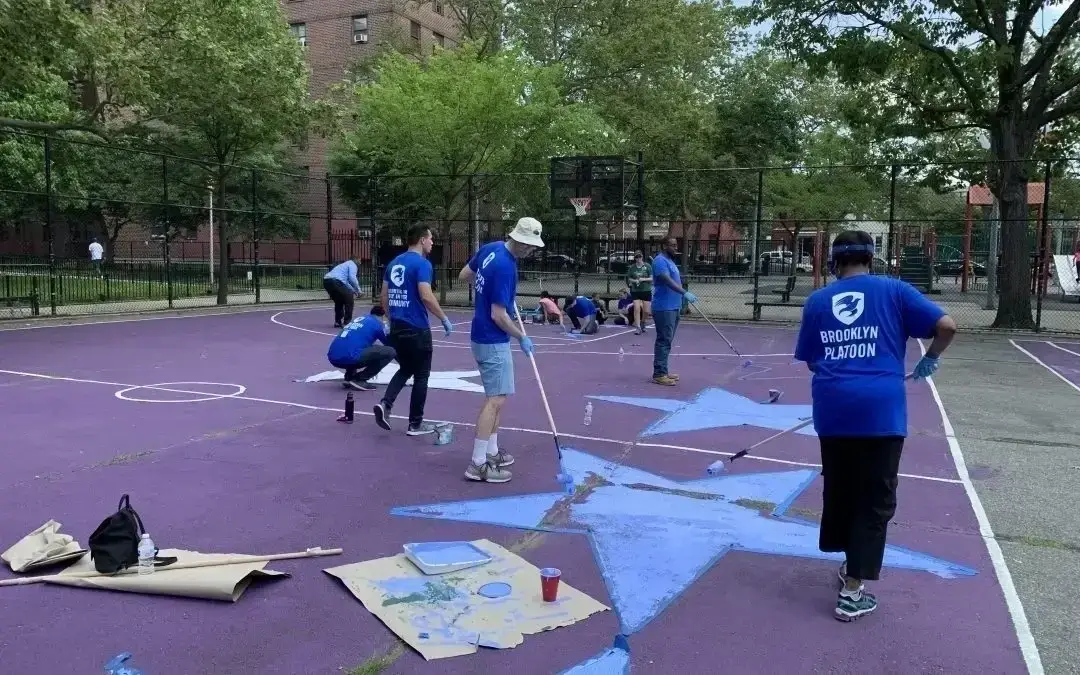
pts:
pixel 859 499
pixel 372 360
pixel 590 326
pixel 414 349
pixel 342 296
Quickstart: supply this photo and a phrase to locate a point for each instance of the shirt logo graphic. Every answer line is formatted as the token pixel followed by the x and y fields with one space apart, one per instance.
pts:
pixel 397 274
pixel 488 259
pixel 848 307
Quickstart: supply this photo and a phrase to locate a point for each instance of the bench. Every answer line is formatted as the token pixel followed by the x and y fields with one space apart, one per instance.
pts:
pixel 761 303
pixel 31 300
pixel 785 292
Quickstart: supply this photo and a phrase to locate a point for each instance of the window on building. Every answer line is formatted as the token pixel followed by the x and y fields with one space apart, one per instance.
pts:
pixel 414 31
pixel 437 6
pixel 299 31
pixel 439 39
pixel 360 29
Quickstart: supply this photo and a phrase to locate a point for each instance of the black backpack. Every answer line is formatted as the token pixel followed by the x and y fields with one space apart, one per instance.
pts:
pixel 114 545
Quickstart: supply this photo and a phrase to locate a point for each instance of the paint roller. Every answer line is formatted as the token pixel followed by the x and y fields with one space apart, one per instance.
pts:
pixel 746 362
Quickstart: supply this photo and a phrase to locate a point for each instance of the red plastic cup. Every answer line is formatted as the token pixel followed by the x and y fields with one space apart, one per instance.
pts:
pixel 549 583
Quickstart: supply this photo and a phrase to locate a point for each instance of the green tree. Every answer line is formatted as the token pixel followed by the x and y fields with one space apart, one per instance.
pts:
pixel 205 78
pixel 422 128
pixel 932 67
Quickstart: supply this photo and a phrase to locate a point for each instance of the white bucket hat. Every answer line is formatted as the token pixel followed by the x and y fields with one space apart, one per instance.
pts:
pixel 527 231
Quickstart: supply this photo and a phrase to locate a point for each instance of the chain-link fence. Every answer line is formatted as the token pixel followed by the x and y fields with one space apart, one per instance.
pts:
pixel 753 243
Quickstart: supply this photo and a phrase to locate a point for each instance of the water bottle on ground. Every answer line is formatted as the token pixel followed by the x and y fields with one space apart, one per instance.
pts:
pixel 588 413
pixel 621 354
pixel 147 551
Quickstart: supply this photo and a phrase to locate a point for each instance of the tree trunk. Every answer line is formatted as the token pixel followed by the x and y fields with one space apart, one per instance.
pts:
pixel 1010 186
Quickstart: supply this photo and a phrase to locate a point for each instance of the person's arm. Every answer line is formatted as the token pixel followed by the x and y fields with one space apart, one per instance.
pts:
pixel 353 281
pixel 468 273
pixel 944 332
pixel 502 319
pixel 423 285
pixel 665 278
pixel 806 349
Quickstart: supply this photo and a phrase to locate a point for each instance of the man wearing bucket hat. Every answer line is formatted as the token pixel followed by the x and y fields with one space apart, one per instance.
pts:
pixel 493 271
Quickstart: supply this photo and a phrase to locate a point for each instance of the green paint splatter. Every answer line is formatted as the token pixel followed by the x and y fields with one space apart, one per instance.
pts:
pixel 756 504
pixel 432 593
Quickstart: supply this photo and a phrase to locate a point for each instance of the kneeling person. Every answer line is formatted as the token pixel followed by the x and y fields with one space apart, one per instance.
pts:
pixel 354 350
pixel 582 313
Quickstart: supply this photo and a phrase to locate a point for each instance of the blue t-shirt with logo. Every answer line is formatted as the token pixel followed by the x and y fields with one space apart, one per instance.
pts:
pixel 583 307
pixel 496 284
pixel 664 298
pixel 403 276
pixel 624 303
pixel 354 338
pixel 854 336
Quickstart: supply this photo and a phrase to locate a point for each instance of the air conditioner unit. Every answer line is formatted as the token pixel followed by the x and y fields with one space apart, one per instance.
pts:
pixel 359 38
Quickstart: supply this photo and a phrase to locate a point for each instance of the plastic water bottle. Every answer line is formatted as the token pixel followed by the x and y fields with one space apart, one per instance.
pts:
pixel 588 413
pixel 622 354
pixel 147 551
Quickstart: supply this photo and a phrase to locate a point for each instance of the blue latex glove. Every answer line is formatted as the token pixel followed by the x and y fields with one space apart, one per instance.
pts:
pixel 690 297
pixel 926 367
pixel 447 326
pixel 526 344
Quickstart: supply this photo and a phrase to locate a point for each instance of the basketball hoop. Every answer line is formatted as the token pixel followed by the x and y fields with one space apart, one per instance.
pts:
pixel 581 205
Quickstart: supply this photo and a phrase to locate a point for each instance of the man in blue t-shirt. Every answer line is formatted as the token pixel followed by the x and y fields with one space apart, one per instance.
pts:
pixel 354 349
pixel 406 294
pixel 342 286
pixel 853 339
pixel 667 300
pixel 582 313
pixel 493 271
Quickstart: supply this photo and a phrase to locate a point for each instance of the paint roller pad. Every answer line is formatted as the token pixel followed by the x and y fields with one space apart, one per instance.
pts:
pixel 747 363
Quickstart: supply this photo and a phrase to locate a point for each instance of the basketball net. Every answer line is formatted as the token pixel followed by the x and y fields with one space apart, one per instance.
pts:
pixel 581 205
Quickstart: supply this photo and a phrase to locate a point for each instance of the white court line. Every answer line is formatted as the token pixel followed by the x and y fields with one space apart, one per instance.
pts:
pixel 1042 363
pixel 105 320
pixel 1028 648
pixel 543 432
pixel 1067 351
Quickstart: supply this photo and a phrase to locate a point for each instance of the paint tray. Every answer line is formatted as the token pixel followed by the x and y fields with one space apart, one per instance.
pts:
pixel 440 557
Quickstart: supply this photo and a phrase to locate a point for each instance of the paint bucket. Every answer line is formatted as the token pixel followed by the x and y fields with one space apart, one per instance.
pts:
pixel 444 434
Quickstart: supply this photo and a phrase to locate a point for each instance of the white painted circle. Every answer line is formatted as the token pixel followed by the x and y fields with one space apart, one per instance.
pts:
pixel 181 388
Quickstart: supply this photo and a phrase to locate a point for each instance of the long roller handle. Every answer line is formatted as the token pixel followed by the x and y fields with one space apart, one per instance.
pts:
pixel 232 560
pixel 540 382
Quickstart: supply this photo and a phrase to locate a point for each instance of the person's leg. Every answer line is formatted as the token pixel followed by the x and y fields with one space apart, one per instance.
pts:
pixel 639 309
pixel 665 330
pixel 836 499
pixel 421 372
pixel 347 301
pixel 402 337
pixel 574 320
pixel 372 361
pixel 495 363
pixel 878 465
pixel 330 285
pixel 875 463
pixel 645 314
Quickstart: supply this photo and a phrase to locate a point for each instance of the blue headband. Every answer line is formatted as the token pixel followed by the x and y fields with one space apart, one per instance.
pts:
pixel 853 248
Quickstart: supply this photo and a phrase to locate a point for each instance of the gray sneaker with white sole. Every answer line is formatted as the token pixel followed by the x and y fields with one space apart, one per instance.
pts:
pixel 487 473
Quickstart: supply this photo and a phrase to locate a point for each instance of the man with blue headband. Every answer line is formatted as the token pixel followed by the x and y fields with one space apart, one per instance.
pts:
pixel 853 338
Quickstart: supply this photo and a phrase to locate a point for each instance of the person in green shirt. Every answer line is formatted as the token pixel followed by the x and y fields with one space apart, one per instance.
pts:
pixel 639 281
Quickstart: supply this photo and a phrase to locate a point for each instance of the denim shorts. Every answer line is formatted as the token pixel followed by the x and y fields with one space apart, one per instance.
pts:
pixel 496 365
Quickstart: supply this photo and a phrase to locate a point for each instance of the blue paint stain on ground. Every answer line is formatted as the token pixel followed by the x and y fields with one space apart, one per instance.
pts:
pixel 524 511
pixel 653 537
pixel 715 408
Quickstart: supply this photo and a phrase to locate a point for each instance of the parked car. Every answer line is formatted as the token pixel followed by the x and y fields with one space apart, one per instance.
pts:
pixel 954 268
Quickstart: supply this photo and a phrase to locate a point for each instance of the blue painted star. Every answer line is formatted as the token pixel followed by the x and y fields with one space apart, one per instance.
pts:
pixel 715 407
pixel 653 537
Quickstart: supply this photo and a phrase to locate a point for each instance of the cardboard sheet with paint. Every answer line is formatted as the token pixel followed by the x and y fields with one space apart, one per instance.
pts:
pixel 448 610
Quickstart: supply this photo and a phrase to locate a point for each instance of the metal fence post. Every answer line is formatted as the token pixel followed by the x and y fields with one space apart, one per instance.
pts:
pixel 892 220
pixel 471 210
pixel 165 252
pixel 372 208
pixel 758 207
pixel 49 239
pixel 329 223
pixel 255 233
pixel 1041 266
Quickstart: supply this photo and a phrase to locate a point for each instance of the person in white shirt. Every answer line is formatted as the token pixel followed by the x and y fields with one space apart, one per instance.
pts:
pixel 97 252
